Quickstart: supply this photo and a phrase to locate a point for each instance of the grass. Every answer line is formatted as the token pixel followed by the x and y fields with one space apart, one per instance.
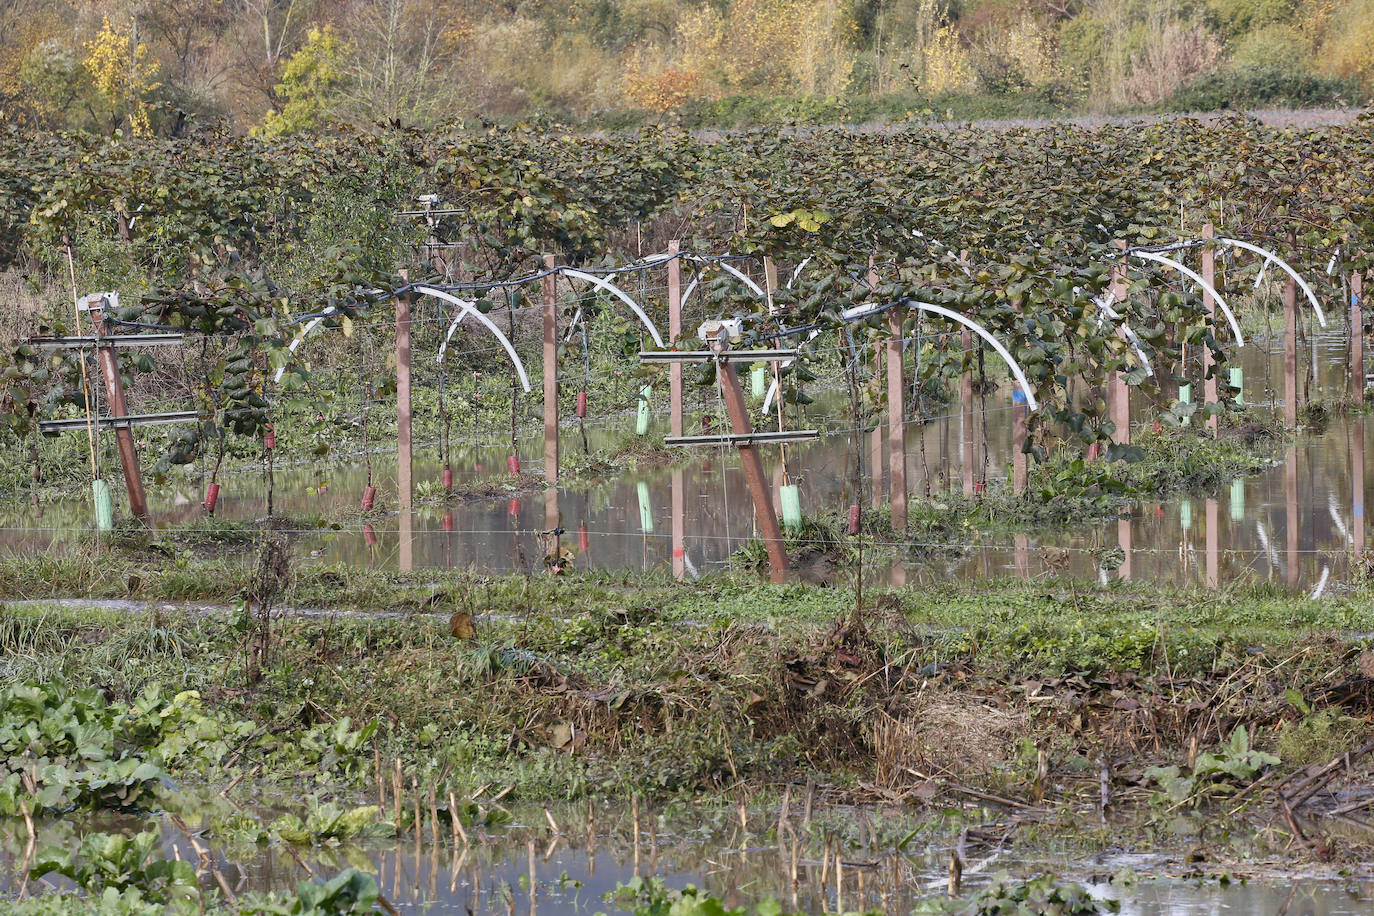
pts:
pixel 677 686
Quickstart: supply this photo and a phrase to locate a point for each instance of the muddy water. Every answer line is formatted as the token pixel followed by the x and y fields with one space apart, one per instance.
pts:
pixel 556 863
pixel 1295 525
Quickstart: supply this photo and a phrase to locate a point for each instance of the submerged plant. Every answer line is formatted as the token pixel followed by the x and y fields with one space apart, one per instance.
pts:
pixel 116 862
pixel 330 823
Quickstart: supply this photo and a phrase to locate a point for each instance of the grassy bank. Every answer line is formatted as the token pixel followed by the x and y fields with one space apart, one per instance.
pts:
pixel 1179 714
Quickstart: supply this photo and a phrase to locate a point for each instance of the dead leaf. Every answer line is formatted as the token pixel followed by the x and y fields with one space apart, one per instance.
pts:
pixel 460 625
pixel 1367 663
pixel 926 790
pixel 561 735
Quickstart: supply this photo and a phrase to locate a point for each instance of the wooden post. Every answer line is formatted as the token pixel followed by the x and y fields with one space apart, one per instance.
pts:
pixel 1357 338
pixel 1209 383
pixel 679 526
pixel 124 436
pixel 1018 441
pixel 1123 537
pixel 966 438
pixel 1021 555
pixel 550 373
pixel 1118 395
pixel 674 333
pixel 1357 486
pixel 1290 347
pixel 753 466
pixel 1213 548
pixel 876 442
pixel 405 529
pixel 876 439
pixel 405 467
pixel 679 498
pixel 1292 524
pixel 896 417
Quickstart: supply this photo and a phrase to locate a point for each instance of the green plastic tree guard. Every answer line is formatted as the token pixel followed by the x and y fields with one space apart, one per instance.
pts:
pixel 790 495
pixel 646 507
pixel 642 417
pixel 104 507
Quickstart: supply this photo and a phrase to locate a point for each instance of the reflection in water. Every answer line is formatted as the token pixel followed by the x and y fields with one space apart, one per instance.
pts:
pixel 562 861
pixel 689 519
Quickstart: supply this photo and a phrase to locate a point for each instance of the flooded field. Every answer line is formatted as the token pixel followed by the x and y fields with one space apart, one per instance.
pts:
pixel 581 861
pixel 1297 525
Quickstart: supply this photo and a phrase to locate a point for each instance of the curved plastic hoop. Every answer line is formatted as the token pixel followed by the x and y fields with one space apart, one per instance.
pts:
pixel 465 309
pixel 620 294
pixel 1207 287
pixel 1104 307
pixel 725 266
pixel 1284 265
pixel 305 331
pixel 863 311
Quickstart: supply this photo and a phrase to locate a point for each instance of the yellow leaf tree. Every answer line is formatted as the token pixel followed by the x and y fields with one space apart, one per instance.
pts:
pixel 123 73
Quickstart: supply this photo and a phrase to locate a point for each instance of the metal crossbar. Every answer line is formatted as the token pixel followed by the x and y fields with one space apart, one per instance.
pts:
pixel 141 419
pixel 757 438
pixel 85 343
pixel 707 356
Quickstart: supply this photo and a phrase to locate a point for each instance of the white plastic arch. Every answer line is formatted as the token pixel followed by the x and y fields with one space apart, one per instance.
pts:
pixel 863 311
pixel 608 286
pixel 728 268
pixel 465 309
pixel 1207 288
pixel 1104 307
pixel 305 331
pixel 1283 265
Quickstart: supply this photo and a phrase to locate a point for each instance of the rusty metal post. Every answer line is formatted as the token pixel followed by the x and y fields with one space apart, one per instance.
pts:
pixel 896 417
pixel 550 372
pixel 1290 347
pixel 405 465
pixel 124 436
pixel 738 413
pixel 1209 383
pixel 674 333
pixel 1118 394
pixel 966 448
pixel 1357 379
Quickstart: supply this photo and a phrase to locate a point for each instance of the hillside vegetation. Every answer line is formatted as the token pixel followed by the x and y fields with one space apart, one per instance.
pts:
pixel 282 66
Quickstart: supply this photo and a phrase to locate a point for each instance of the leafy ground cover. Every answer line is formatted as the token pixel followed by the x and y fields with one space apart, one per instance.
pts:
pixel 1176 712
